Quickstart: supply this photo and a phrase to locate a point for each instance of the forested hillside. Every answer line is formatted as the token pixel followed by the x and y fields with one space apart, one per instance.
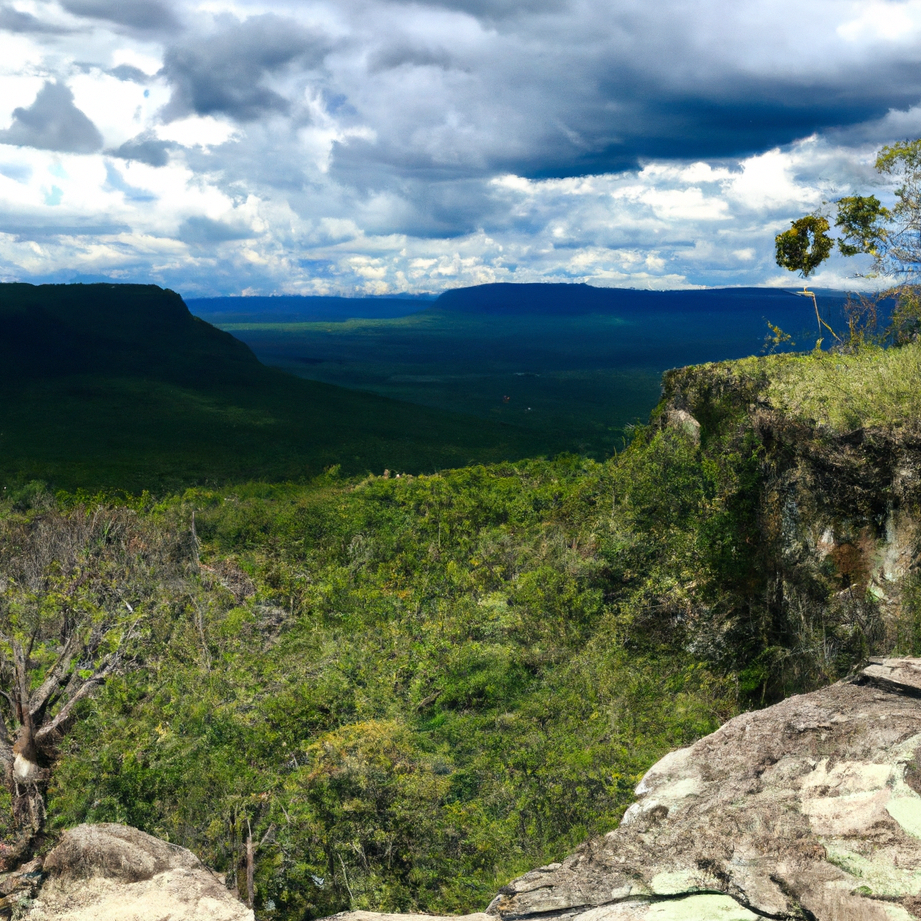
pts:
pixel 119 386
pixel 402 691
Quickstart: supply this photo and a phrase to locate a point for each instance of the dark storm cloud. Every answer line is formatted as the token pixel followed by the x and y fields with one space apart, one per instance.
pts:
pixel 552 109
pixel 642 114
pixel 145 149
pixel 53 122
pixel 224 72
pixel 12 20
pixel 204 230
pixel 129 74
pixel 144 15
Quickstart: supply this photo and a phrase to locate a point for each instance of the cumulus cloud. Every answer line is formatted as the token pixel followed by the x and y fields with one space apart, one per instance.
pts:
pixel 145 148
pixel 13 20
pixel 53 122
pixel 498 9
pixel 384 145
pixel 116 182
pixel 226 72
pixel 129 73
pixel 204 230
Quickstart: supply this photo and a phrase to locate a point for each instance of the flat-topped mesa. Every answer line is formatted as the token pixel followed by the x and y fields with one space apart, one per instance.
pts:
pixel 807 809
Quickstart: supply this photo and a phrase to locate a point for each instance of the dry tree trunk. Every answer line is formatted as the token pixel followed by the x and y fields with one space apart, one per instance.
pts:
pixel 250 867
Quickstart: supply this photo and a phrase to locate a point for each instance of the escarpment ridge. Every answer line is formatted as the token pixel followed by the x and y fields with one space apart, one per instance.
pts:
pixel 118 386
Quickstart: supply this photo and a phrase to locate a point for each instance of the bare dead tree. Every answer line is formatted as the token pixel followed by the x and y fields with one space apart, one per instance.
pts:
pixel 76 590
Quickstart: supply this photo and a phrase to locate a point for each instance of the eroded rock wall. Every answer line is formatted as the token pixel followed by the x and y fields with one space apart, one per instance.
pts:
pixel 836 540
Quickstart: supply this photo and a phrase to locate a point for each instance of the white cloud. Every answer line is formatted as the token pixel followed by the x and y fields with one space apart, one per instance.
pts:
pixel 198 131
pixel 377 145
pixel 883 20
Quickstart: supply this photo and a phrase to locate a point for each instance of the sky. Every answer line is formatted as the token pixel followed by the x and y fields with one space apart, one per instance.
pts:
pixel 381 147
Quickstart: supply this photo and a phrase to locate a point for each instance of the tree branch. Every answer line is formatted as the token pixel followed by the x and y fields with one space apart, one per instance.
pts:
pixel 43 736
pixel 56 675
pixel 22 688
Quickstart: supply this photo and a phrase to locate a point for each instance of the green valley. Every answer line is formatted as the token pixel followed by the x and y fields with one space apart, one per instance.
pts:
pixel 120 386
pixel 397 690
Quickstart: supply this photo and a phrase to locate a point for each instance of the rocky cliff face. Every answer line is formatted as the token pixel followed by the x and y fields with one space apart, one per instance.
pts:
pixel 848 504
pixel 806 810
pixel 836 535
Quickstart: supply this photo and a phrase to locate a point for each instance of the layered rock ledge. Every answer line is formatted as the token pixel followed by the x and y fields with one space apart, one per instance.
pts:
pixel 807 810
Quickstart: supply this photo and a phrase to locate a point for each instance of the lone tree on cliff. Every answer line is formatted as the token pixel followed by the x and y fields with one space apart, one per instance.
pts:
pixel 892 236
pixel 77 591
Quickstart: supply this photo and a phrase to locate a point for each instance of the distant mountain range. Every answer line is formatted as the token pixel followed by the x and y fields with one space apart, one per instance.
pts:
pixel 569 299
pixel 516 299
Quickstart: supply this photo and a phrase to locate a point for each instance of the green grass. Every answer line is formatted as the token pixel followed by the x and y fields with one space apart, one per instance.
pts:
pixel 871 388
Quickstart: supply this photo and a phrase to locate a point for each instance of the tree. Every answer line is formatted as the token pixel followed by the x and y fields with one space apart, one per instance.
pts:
pixel 892 237
pixel 77 591
pixel 803 248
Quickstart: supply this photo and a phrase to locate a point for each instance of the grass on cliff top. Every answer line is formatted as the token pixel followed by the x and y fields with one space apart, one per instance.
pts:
pixel 874 387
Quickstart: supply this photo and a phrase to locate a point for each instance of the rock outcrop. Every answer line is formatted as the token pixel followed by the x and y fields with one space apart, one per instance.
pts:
pixel 115 873
pixel 837 511
pixel 807 810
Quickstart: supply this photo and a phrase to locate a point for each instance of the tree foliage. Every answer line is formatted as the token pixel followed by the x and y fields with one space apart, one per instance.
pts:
pixel 401 693
pixel 891 236
pixel 805 246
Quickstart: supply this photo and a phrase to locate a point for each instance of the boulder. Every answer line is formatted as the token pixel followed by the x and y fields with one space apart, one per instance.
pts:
pixel 114 873
pixel 809 809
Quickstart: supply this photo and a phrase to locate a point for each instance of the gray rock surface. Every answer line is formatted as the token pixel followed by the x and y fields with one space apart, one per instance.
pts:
pixel 809 809
pixel 115 873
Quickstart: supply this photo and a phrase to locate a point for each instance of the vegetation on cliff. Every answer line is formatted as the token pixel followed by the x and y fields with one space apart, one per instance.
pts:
pixel 398 692
pixel 404 690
